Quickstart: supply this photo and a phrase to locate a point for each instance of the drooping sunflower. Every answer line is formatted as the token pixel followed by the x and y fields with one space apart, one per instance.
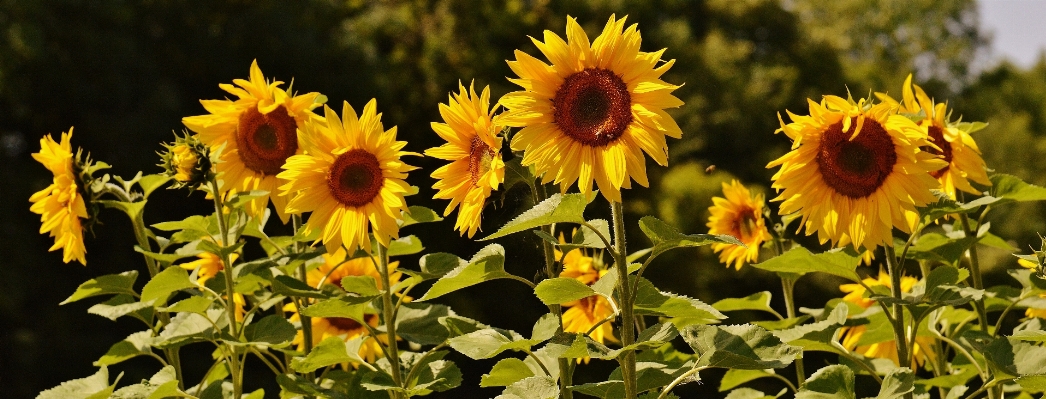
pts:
pixel 1032 311
pixel 475 149
pixel 739 215
pixel 580 315
pixel 351 178
pixel 329 274
pixel 61 205
pixel 594 111
pixel 953 144
pixel 259 133
pixel 851 336
pixel 855 172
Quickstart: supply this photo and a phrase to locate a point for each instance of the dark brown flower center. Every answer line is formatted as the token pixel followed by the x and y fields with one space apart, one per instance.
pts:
pixel 744 225
pixel 355 178
pixel 856 168
pixel 937 137
pixel 266 141
pixel 480 156
pixel 593 107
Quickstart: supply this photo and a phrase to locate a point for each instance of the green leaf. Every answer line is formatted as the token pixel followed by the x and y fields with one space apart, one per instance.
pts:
pixel 122 305
pixel 419 323
pixel 757 301
pixel 559 290
pixel 749 393
pixel 1011 358
pixel 132 209
pixel 403 246
pixel 186 328
pixel 799 260
pixel 150 183
pixel 290 286
pixel 194 222
pixel 360 285
pixel 243 197
pixel 506 372
pixel 1009 188
pixel 137 344
pixel 545 328
pixel 585 237
pixel 734 378
pixel 738 347
pixel 650 301
pixel 333 350
pixel 271 329
pixel 193 304
pixel 122 283
pixel 488 264
pixel 436 375
pixel 542 387
pixel 650 338
pixel 942 207
pixel 559 208
pixel 899 382
pixel 605 285
pixel 347 307
pixel 436 265
pixel 831 382
pixel 818 336
pixel 665 237
pixel 292 385
pixel 937 247
pixel 960 378
pixel 489 342
pixel 418 214
pixel 95 386
pixel 1029 335
pixel 166 282
pixel 516 173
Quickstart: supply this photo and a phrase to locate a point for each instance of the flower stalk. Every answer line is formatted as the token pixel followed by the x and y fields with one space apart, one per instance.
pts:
pixel 628 358
pixel 230 292
pixel 388 310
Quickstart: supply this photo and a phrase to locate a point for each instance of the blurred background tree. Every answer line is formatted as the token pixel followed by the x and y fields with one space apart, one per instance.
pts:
pixel 124 73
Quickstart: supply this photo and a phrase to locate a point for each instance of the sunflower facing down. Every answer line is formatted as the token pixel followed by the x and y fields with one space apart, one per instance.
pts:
pixel 259 131
pixel 475 149
pixel 61 205
pixel 330 273
pixel 954 145
pixel 351 178
pixel 739 215
pixel 851 336
pixel 855 171
pixel 580 315
pixel 594 111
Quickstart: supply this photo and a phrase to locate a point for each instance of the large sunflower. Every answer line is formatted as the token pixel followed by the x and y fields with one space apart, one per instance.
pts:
pixel 851 336
pixel 855 171
pixel 953 144
pixel 593 113
pixel 739 215
pixel 61 205
pixel 475 149
pixel 582 314
pixel 351 178
pixel 329 274
pixel 259 131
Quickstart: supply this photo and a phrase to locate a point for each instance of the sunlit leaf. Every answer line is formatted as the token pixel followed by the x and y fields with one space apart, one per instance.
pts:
pixel 831 382
pixel 506 372
pixel 559 208
pixel 665 237
pixel 799 260
pixel 738 347
pixel 488 264
pixel 122 283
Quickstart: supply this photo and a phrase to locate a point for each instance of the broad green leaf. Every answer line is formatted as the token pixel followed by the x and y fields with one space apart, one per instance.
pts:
pixel 559 290
pixel 137 344
pixel 605 285
pixel 738 347
pixel 162 385
pixel 293 385
pixel 749 393
pixel 360 285
pixel 419 323
pixel 186 328
pixel 380 382
pixel 437 375
pixel 799 260
pixel 782 324
pixel 193 304
pixel 418 214
pixel 577 346
pixel 194 222
pixel 1032 383
pixel 757 301
pixel 403 246
pixel 1012 358
pixel 95 386
pixel 333 350
pixel 438 264
pixel 516 173
pixel 559 208
pixel 122 283
pixel 122 305
pixel 960 378
pixel 166 282
pixel 132 209
pixel 545 328
pixel 271 329
pixel 652 337
pixel 650 301
pixel 457 325
pixel 897 383
pixel 733 378
pixel 665 237
pixel 150 183
pixel 290 286
pixel 585 237
pixel 240 198
pixel 346 307
pixel 506 372
pixel 1030 335
pixel 937 247
pixel 817 336
pixel 942 207
pixel 541 387
pixel 489 342
pixel 1009 188
pixel 488 264
pixel 831 382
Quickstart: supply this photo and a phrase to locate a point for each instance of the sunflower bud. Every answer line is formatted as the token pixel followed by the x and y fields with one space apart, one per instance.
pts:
pixel 187 161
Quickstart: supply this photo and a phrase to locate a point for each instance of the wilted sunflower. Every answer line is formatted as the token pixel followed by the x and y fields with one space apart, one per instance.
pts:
pixel 739 215
pixel 330 274
pixel 351 178
pixel 61 205
pixel 259 131
pixel 593 113
pixel 851 336
pixel 475 149
pixel 855 171
pixel 954 145
pixel 582 314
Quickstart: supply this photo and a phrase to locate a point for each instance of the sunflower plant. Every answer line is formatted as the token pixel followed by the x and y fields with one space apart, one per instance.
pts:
pixel 329 308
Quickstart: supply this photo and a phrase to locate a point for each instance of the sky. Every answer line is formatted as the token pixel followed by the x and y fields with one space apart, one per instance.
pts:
pixel 1017 28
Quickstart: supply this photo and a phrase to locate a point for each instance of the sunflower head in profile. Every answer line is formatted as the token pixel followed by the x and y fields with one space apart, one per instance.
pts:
pixel 351 178
pixel 328 276
pixel 579 316
pixel 851 336
pixel 475 149
pixel 63 205
pixel 187 161
pixel 257 132
pixel 951 143
pixel 855 172
pixel 739 214
pixel 594 111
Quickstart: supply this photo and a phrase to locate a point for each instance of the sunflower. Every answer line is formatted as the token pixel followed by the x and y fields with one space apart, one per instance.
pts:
pixel 259 131
pixel 475 149
pixel 61 205
pixel 582 314
pixel 594 111
pixel 855 293
pixel 954 145
pixel 207 266
pixel 739 215
pixel 855 171
pixel 350 177
pixel 1032 312
pixel 329 274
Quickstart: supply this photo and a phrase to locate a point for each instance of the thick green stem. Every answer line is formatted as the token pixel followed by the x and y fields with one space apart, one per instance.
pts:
pixel 627 359
pixel 390 323
pixel 896 270
pixel 306 321
pixel 975 272
pixel 230 293
pixel 566 373
pixel 788 289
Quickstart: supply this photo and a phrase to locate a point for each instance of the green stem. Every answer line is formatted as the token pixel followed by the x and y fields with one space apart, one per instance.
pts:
pixel 788 288
pixel 679 380
pixel 230 292
pixel 390 323
pixel 628 358
pixel 896 270
pixel 299 303
pixel 566 375
pixel 975 272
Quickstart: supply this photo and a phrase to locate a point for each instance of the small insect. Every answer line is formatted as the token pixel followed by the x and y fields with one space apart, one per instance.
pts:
pixel 710 169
